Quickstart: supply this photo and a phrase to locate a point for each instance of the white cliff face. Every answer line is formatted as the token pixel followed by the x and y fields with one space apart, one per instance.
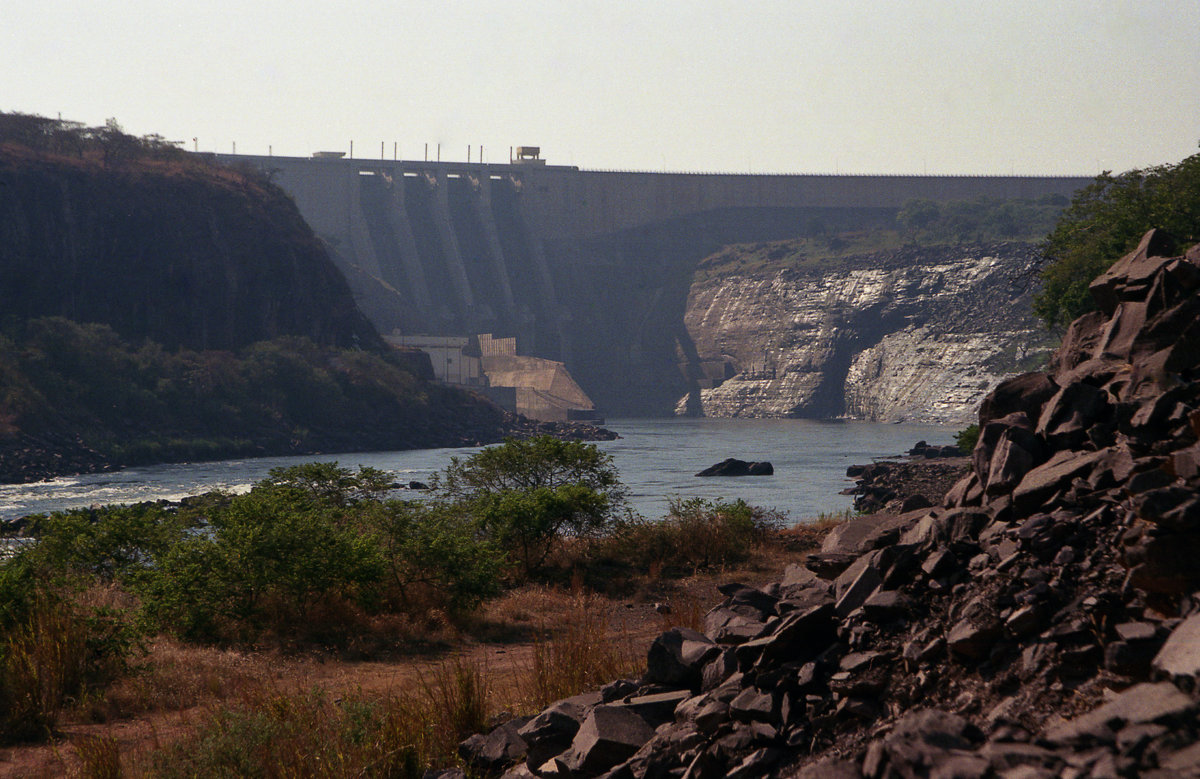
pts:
pixel 918 335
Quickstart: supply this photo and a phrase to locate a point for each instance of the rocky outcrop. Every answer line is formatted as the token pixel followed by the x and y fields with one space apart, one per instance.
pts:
pixel 905 485
pixel 916 335
pixel 731 466
pixel 1043 621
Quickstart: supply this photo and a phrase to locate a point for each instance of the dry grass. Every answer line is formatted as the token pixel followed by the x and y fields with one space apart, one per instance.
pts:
pixel 314 734
pixel 99 758
pixel 318 715
pixel 175 676
pixel 578 654
pixel 42 663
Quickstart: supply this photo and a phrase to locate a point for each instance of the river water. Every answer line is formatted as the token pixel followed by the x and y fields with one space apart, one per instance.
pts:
pixel 657 460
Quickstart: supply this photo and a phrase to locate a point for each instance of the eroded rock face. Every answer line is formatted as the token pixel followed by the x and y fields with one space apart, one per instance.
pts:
pixel 917 335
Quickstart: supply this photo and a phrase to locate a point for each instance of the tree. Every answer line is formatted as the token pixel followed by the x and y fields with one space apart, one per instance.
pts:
pixel 528 494
pixel 918 214
pixel 433 548
pixel 1105 221
pixel 328 483
pixel 265 561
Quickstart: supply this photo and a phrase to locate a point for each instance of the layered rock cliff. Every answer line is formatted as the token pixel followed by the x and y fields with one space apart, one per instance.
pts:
pixel 916 334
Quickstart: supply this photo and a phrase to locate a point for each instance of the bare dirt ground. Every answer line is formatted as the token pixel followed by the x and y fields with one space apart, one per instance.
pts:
pixel 179 686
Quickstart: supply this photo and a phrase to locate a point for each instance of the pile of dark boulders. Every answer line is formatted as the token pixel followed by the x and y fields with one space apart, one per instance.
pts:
pixel 900 486
pixel 933 451
pixel 518 426
pixel 1043 621
pixel 29 458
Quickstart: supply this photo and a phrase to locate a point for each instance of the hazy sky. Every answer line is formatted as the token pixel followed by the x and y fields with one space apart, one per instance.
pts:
pixel 890 86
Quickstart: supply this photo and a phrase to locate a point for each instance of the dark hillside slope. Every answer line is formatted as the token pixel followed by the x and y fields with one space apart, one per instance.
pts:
pixel 185 253
pixel 76 398
pixel 158 307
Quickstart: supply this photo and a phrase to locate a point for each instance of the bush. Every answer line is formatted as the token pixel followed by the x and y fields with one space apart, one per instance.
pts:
pixel 265 561
pixel 527 495
pixel 967 438
pixel 696 534
pixel 1105 221
pixel 311 549
pixel 437 551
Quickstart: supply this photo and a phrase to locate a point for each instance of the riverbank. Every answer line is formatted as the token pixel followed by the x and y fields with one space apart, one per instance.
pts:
pixel 25 459
pixel 524 649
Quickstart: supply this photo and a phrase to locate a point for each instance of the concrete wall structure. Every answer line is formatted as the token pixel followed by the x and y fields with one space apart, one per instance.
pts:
pixel 449 357
pixel 588 267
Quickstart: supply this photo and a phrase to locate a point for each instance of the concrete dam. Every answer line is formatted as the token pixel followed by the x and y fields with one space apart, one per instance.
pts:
pixel 591 268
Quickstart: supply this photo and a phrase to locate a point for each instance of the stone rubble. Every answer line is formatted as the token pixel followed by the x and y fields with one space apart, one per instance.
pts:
pixel 1043 621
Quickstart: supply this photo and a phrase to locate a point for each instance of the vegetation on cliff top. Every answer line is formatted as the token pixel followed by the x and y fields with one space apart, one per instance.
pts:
pixel 919 223
pixel 1105 221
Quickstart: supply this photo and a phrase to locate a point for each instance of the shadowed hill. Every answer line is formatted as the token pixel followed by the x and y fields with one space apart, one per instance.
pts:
pixel 184 253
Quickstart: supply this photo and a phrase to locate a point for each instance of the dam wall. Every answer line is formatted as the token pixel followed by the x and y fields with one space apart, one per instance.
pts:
pixel 591 268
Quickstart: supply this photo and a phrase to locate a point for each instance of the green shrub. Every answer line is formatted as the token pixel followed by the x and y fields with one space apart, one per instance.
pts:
pixel 435 555
pixel 528 494
pixel 1105 221
pixel 967 438
pixel 314 544
pixel 696 534
pixel 262 564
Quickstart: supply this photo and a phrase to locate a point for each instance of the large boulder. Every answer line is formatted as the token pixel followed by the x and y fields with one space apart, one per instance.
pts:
pixel 609 735
pixel 677 657
pixel 734 467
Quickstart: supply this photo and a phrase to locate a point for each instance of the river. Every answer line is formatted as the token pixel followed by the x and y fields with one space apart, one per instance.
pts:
pixel 657 460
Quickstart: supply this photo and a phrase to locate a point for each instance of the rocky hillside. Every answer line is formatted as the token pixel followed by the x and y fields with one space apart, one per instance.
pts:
pixel 915 334
pixel 1043 621
pixel 156 306
pixel 185 253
